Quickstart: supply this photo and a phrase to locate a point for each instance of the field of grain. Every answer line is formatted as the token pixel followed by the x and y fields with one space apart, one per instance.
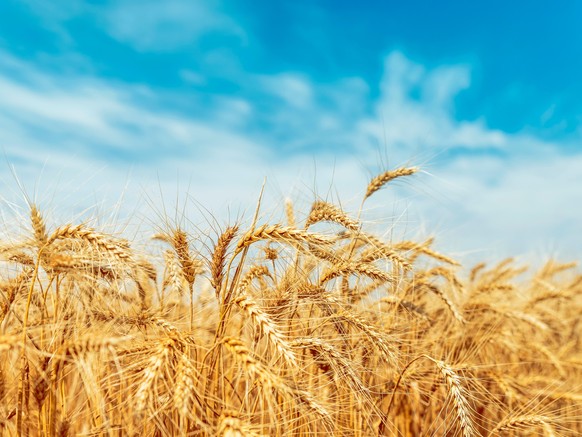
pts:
pixel 312 327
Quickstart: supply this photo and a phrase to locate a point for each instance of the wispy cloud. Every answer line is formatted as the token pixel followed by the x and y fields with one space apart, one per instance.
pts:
pixel 145 25
pixel 168 25
pixel 66 128
pixel 292 89
pixel 415 109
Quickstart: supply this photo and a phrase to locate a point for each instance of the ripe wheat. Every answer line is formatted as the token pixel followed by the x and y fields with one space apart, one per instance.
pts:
pixel 293 329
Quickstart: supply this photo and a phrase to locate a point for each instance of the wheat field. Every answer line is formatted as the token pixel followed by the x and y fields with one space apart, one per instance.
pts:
pixel 311 327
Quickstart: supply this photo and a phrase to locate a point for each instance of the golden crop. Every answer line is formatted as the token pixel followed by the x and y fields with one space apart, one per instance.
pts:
pixel 317 328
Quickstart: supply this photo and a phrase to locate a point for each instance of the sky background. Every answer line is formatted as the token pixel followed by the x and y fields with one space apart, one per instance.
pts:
pixel 138 112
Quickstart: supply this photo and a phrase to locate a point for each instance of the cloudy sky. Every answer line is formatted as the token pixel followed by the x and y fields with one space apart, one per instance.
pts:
pixel 128 108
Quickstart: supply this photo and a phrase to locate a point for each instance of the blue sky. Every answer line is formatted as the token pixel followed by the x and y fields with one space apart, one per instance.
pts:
pixel 205 98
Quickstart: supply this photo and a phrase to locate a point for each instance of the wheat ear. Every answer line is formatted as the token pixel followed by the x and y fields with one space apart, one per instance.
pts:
pixel 218 260
pixel 38 226
pixel 323 211
pixel 190 267
pixel 116 249
pixel 184 392
pixel 521 422
pixel 251 365
pixel 267 327
pixel 382 179
pixel 231 425
pixel 363 269
pixel 144 393
pixel 448 302
pixel 377 338
pixel 175 278
pixel 290 214
pixel 281 233
pixel 459 396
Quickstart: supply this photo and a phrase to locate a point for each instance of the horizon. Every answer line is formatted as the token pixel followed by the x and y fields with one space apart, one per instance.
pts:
pixel 196 103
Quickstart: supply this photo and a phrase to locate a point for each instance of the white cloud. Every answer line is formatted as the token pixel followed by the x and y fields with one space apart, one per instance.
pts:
pixel 61 131
pixel 93 113
pixel 192 77
pixel 516 205
pixel 524 197
pixel 150 25
pixel 443 84
pixel 52 15
pixel 295 90
pixel 145 25
pixel 302 115
pixel 414 110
